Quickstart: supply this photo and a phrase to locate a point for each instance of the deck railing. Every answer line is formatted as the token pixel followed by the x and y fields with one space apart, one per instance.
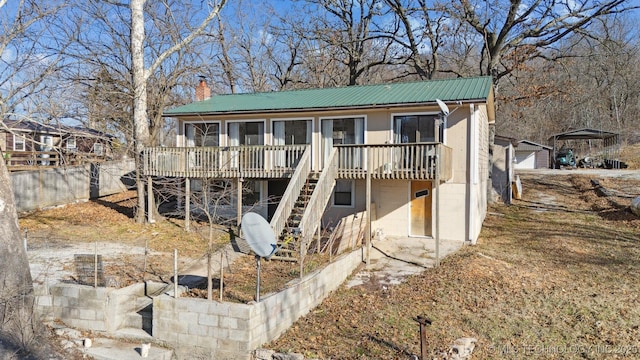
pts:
pixel 416 161
pixel 16 160
pixel 317 203
pixel 223 162
pixel 288 200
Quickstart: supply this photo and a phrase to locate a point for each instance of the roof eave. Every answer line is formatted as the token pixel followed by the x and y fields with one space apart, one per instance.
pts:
pixel 323 109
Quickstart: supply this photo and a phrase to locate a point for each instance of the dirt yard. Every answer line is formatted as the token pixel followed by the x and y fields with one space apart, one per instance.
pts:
pixel 106 226
pixel 554 276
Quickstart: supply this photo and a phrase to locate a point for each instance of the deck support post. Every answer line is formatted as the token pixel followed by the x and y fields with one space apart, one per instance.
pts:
pixel 150 203
pixel 187 204
pixel 368 208
pixel 239 200
pixel 437 195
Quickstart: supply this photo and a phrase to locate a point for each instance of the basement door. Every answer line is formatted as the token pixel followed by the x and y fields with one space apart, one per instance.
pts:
pixel 420 207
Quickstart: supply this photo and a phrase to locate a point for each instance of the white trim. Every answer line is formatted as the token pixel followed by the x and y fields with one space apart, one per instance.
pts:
pixel 365 127
pixel 353 195
pixel 272 120
pixel 264 129
pixel 24 142
pixel 475 171
pixel 184 130
pixel 98 149
pixel 75 143
pixel 473 178
pixel 393 115
pixel 311 140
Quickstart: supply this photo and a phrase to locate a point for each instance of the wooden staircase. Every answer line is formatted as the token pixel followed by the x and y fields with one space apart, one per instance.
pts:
pixel 289 239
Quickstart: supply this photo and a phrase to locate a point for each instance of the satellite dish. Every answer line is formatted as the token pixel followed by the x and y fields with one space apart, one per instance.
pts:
pixel 261 240
pixel 258 234
pixel 443 107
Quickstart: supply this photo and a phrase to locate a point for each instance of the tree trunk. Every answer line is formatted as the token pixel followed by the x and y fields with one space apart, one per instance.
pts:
pixel 16 288
pixel 140 123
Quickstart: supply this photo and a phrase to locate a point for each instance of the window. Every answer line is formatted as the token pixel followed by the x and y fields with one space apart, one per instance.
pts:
pixel 98 149
pixel 71 143
pixel 246 133
pixel 293 132
pixel 343 193
pixel 202 134
pixel 18 143
pixel 415 128
pixel 343 131
pixel 46 143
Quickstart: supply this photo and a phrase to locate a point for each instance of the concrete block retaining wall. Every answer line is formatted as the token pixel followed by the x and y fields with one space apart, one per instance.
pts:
pixel 86 307
pixel 197 328
pixel 210 329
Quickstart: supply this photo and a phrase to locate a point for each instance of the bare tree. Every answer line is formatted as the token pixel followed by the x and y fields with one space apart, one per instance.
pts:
pixel 28 58
pixel 420 41
pixel 350 30
pixel 592 82
pixel 526 27
pixel 29 53
pixel 140 76
pixel 17 326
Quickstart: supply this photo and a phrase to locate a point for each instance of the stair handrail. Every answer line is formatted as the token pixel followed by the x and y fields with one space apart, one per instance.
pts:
pixel 288 200
pixel 318 201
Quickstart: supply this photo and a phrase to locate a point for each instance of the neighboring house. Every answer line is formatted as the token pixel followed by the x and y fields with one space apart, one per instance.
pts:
pixel 378 149
pixel 503 164
pixel 79 142
pixel 530 155
pixel 28 143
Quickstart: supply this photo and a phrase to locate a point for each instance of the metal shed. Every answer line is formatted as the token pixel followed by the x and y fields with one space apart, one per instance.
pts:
pixel 610 142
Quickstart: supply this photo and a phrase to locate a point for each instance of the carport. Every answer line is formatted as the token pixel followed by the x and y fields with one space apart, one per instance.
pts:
pixel 610 143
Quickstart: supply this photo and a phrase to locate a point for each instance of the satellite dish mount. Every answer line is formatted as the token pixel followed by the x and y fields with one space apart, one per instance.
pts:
pixel 261 239
pixel 444 109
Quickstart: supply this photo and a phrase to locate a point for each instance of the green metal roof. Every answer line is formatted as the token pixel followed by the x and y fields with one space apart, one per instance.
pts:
pixel 420 92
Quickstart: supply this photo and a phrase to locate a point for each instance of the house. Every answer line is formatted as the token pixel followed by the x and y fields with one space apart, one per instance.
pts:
pixel 413 157
pixel 27 143
pixel 530 155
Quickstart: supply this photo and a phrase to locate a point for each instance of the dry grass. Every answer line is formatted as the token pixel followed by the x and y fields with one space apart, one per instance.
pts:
pixel 552 277
pixel 631 155
pixel 110 219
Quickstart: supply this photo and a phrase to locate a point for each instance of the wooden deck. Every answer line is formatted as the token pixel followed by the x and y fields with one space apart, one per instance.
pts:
pixel 394 161
pixel 417 161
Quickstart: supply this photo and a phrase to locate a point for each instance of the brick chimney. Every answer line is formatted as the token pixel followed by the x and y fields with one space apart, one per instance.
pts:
pixel 203 92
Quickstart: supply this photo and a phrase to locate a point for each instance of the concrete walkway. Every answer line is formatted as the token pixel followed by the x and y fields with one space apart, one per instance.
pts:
pixel 395 258
pixel 111 349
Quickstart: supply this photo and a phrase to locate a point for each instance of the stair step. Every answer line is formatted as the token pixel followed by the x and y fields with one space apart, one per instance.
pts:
pixel 143 301
pixel 284 258
pixel 286 251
